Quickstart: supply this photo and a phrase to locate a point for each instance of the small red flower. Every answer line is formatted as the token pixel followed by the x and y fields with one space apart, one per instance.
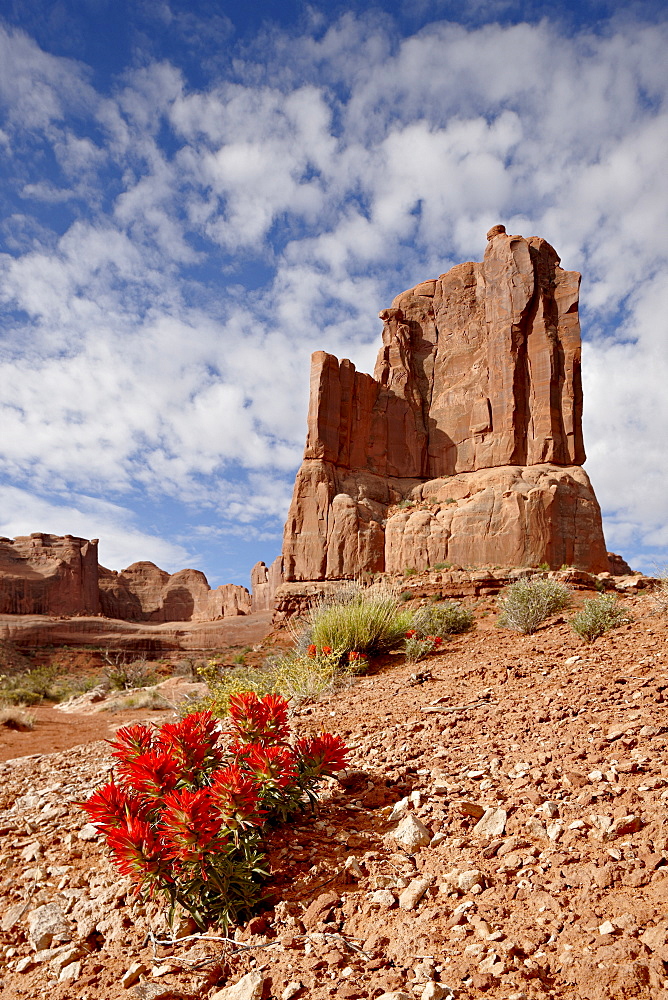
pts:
pixel 193 743
pixel 324 754
pixel 312 651
pixel 132 741
pixel 411 634
pixel 236 798
pixel 435 639
pixel 326 650
pixel 137 852
pixel 152 773
pixel 110 807
pixel 189 827
pixel 270 767
pixel 256 720
pixel 352 657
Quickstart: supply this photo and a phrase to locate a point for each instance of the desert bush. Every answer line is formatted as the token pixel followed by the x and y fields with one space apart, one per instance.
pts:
pixel 527 603
pixel 369 621
pixel 445 618
pixel 14 718
pixel 416 648
pixel 659 592
pixel 29 687
pixel 121 676
pixel 184 815
pixel 599 615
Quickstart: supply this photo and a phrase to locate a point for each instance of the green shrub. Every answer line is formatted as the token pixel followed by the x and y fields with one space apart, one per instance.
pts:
pixel 443 565
pixel 599 615
pixel 30 686
pixel 410 571
pixel 367 621
pixel 526 604
pixel 446 618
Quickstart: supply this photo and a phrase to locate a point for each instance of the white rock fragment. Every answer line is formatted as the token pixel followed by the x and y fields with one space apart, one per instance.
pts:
pixel 466 880
pixel 606 928
pixel 413 893
pixel 411 833
pixel 291 989
pixel 131 975
pixel 249 987
pixel 399 809
pixel 492 823
pixel 46 923
pixel 382 898
pixel 88 832
pixel 437 991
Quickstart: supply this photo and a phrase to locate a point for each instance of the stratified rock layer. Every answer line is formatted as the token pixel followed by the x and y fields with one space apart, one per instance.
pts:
pixel 48 574
pixel 475 406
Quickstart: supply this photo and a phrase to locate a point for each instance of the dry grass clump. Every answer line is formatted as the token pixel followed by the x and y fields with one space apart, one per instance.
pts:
pixel 138 699
pixel 599 615
pixel 659 593
pixel 15 718
pixel 526 604
pixel 294 675
pixel 370 621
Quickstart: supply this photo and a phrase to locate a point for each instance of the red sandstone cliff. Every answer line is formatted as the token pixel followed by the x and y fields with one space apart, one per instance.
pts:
pixel 473 417
pixel 44 574
pixel 47 574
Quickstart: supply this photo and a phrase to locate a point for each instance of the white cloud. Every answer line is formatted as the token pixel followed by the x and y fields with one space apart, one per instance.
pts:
pixel 121 541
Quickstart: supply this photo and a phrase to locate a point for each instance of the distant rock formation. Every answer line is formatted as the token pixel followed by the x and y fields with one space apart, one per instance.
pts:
pixel 466 444
pixel 264 583
pixel 44 574
pixel 48 574
pixel 145 593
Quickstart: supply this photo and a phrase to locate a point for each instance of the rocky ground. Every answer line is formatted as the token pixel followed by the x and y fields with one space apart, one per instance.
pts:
pixel 502 832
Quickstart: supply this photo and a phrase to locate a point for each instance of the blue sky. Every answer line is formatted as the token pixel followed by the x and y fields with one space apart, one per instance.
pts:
pixel 195 196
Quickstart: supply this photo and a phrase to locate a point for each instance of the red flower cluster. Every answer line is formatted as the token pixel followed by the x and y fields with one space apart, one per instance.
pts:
pixel 312 650
pixel 185 811
pixel 355 656
pixel 436 640
pixel 411 634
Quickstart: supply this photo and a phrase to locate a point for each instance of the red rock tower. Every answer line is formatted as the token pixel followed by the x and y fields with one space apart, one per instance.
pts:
pixel 473 416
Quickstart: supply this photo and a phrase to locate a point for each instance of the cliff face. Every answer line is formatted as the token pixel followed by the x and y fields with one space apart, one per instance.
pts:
pixel 48 574
pixel 51 575
pixel 474 413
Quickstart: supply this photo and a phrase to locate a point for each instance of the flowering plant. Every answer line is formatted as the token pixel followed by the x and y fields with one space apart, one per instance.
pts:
pixel 184 813
pixel 416 646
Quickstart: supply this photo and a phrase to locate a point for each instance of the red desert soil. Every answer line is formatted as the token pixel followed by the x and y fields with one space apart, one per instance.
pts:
pixel 560 890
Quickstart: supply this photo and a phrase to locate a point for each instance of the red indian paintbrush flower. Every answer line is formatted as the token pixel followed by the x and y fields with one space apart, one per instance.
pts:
pixel 137 852
pixel 132 741
pixel 259 720
pixel 152 773
pixel 312 650
pixel 189 828
pixel 111 805
pixel 324 754
pixel 193 743
pixel 270 767
pixel 236 797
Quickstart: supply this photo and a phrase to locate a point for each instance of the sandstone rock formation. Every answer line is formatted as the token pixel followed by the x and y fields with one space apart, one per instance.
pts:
pixel 264 583
pixel 48 574
pixel 466 444
pixel 44 574
pixel 145 593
